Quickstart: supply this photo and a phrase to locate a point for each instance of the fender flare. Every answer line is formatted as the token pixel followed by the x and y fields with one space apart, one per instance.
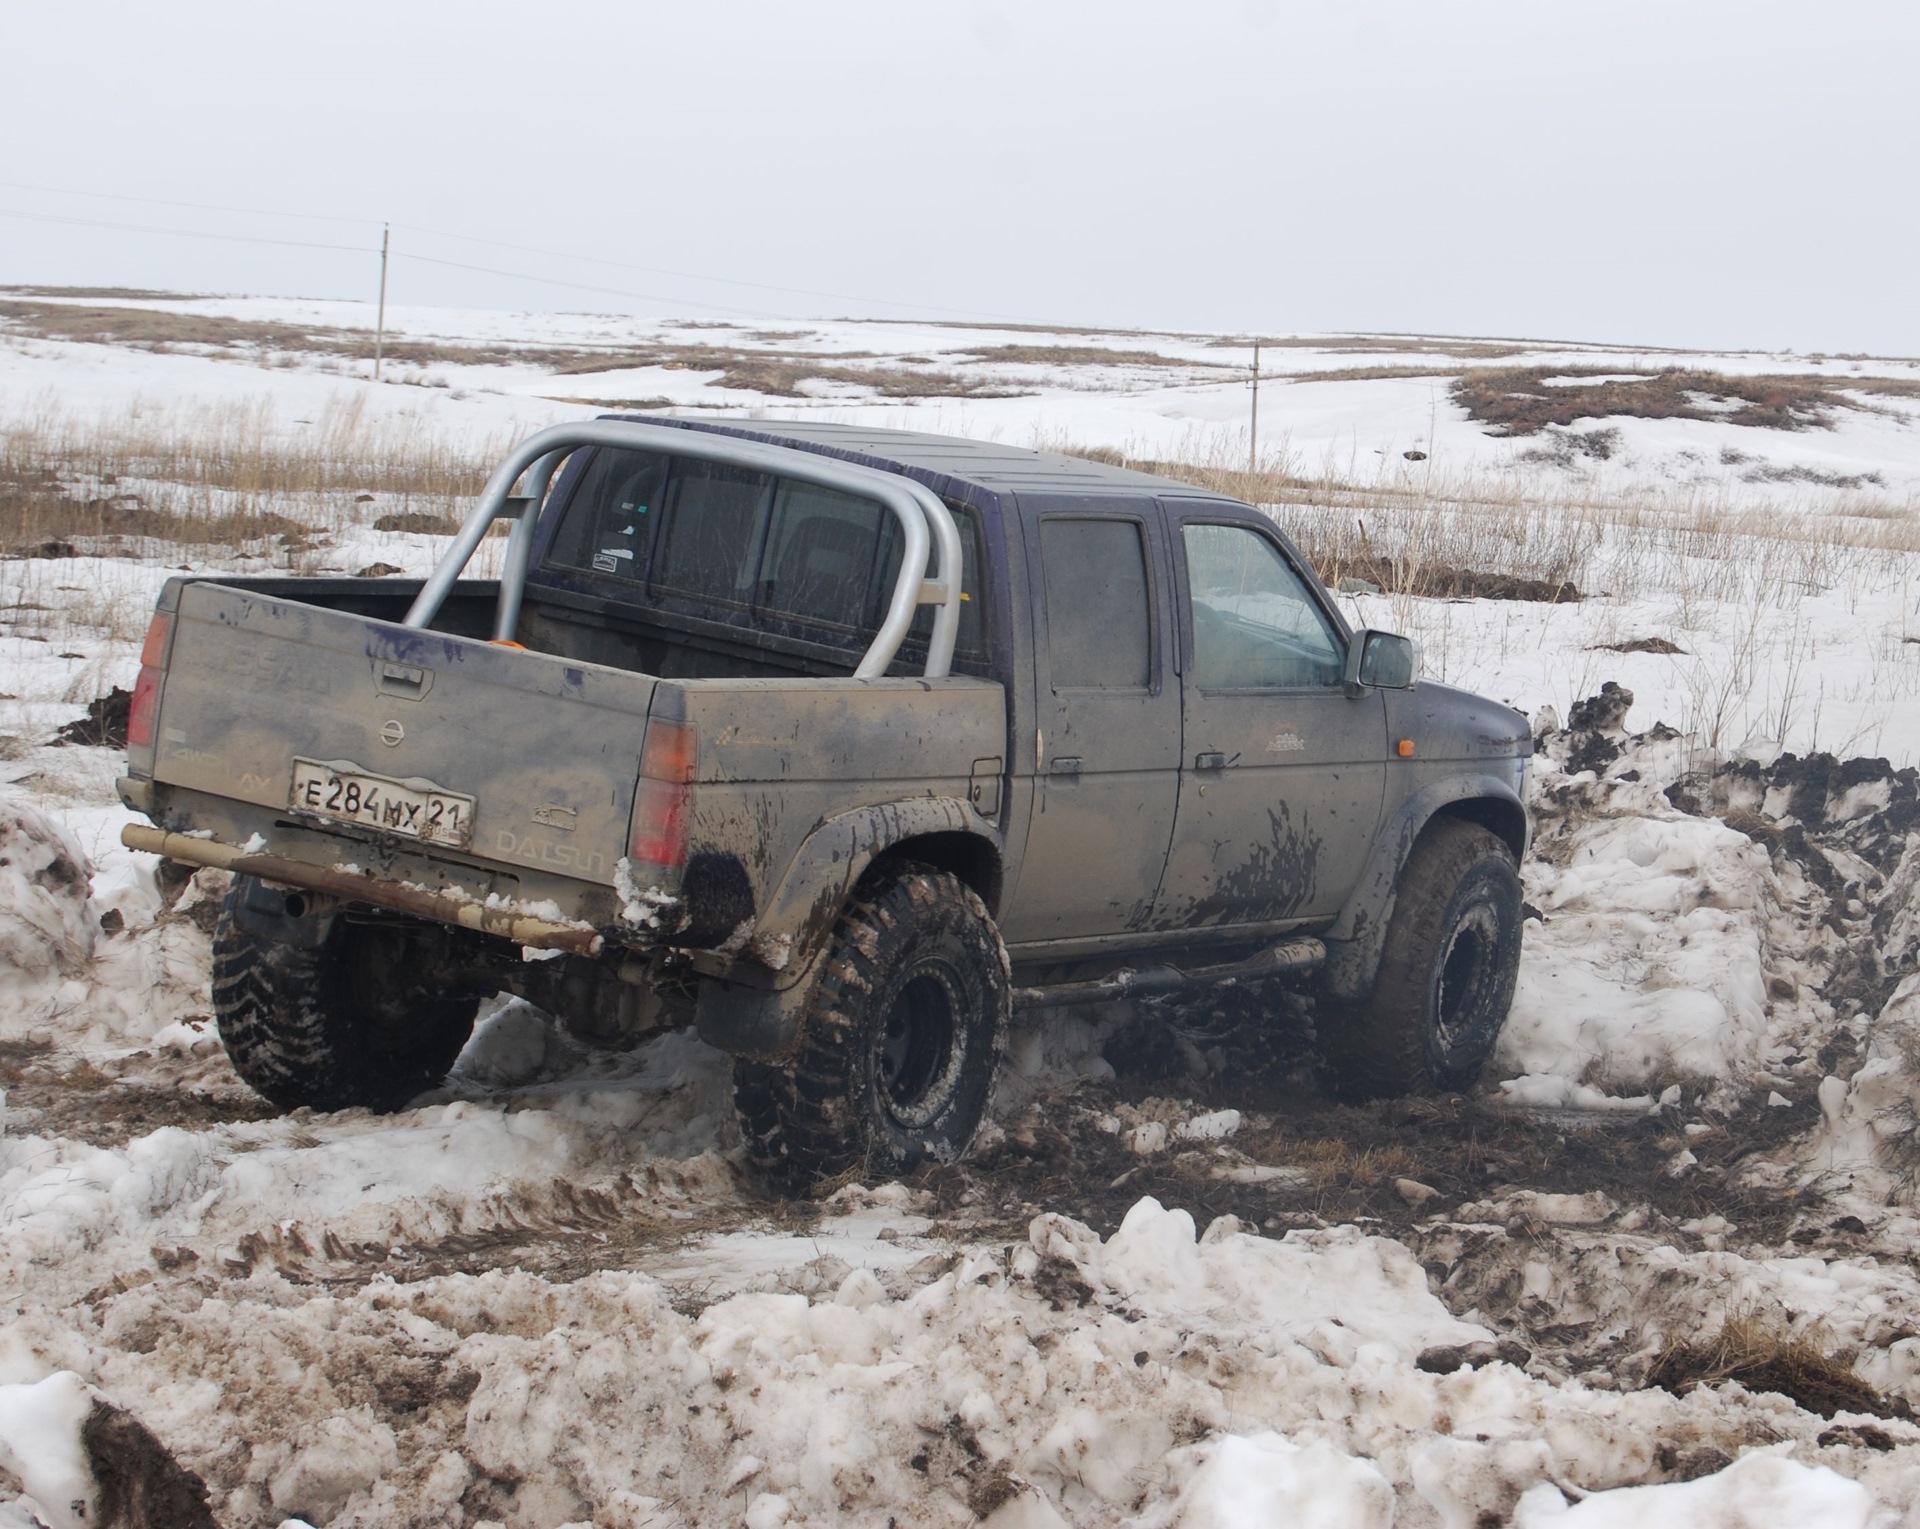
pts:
pixel 1355 938
pixel 755 1010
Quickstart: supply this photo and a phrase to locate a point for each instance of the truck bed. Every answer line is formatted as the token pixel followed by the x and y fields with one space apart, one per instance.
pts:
pixel 288 703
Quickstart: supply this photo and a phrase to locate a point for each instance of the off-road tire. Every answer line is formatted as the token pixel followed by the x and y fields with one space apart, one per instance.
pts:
pixel 1446 974
pixel 899 1044
pixel 309 1028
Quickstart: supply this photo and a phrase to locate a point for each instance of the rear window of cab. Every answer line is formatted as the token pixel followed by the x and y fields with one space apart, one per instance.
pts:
pixel 678 533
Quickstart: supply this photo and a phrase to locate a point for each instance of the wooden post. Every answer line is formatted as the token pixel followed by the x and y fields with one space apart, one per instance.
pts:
pixel 380 322
pixel 1253 424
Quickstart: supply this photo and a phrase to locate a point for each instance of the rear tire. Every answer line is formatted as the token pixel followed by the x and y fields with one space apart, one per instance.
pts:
pixel 1446 975
pixel 898 1047
pixel 351 1023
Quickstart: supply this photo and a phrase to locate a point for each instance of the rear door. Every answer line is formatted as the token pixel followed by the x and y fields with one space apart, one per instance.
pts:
pixel 1107 713
pixel 1282 773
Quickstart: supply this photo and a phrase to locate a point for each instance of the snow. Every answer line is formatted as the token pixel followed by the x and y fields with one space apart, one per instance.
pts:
pixel 1264 1478
pixel 1758 1492
pixel 40 1443
pixel 545 1294
pixel 1651 963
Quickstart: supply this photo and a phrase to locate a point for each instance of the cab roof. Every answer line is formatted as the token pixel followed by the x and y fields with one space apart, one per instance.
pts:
pixel 945 463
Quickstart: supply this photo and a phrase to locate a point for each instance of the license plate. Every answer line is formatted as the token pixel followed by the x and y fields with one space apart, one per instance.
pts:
pixel 416 809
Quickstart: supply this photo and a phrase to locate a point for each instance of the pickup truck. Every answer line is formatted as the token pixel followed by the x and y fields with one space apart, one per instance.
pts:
pixel 841 745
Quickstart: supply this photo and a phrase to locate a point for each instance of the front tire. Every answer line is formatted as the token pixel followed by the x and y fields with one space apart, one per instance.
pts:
pixel 354 1022
pixel 899 1045
pixel 1446 978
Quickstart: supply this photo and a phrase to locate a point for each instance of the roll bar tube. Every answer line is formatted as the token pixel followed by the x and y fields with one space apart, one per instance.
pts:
pixel 925 523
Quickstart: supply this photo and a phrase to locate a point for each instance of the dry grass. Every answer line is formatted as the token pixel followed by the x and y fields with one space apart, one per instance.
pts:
pixel 1332 1163
pixel 1079 355
pixel 1519 401
pixel 780 377
pixel 1419 531
pixel 218 476
pixel 169 329
pixel 1381 373
pixel 1394 344
pixel 777 374
pixel 1764 1353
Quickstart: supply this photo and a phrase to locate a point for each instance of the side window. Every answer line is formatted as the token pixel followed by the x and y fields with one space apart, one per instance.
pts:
pixel 1255 626
pixel 609 524
pixel 820 551
pixel 1099 620
pixel 710 545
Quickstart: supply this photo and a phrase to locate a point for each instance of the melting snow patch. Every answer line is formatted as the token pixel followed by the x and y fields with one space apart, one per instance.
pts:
pixel 1759 1491
pixel 1550 1091
pixel 1263 1478
pixel 40 1443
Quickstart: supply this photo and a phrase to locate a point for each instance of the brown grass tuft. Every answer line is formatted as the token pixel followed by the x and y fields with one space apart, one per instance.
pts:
pixel 1764 1354
pixel 1518 400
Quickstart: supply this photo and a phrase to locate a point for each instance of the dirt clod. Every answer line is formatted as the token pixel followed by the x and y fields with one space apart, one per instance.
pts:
pixel 141 1485
pixel 105 724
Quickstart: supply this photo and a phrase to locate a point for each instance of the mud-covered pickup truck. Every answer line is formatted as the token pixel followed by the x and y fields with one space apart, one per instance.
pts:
pixel 841 745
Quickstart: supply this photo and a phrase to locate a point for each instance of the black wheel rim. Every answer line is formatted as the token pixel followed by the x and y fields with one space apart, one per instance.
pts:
pixel 915 1053
pixel 1463 986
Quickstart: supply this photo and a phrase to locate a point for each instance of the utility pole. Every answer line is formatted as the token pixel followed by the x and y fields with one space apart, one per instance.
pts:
pixel 1253 424
pixel 380 323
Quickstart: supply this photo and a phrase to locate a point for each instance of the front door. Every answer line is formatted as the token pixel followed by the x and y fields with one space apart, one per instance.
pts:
pixel 1107 726
pixel 1282 773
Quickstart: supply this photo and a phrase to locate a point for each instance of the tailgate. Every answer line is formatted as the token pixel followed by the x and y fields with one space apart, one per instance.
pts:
pixel 266 698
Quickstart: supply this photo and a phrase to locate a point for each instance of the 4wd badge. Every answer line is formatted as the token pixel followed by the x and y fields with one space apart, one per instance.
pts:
pixel 391 732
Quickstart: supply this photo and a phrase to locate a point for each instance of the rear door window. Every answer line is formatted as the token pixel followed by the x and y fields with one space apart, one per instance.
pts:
pixel 1099 607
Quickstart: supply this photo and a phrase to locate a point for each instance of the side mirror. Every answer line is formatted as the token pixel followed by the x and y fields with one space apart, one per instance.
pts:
pixel 1383 660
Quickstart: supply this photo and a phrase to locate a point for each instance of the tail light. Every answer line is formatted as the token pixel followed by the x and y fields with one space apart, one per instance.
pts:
pixel 664 800
pixel 146 689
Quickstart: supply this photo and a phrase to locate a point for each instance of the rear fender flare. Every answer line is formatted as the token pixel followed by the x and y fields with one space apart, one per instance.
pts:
pixel 1354 941
pixel 755 1009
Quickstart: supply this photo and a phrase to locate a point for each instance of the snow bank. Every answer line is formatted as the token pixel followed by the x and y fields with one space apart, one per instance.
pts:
pixel 1244 1480
pixel 40 1443
pixel 1869 1120
pixel 1335 1290
pixel 1154 1379
pixel 46 923
pixel 1761 1491
pixel 1650 964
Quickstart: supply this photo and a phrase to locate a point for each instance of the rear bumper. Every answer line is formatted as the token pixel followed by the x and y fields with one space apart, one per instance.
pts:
pixel 493 916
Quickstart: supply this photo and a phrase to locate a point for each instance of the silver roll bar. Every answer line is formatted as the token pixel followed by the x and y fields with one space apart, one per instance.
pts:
pixel 925 524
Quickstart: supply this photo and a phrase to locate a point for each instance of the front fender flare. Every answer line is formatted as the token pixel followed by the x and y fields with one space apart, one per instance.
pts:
pixel 1355 938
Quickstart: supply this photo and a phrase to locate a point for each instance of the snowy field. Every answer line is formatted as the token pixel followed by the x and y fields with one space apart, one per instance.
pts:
pixel 1659 1269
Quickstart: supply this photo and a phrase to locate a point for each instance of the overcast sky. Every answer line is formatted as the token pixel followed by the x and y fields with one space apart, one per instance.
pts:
pixel 1676 173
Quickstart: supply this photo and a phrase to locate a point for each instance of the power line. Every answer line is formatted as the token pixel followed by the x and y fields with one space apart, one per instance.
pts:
pixel 184 233
pixel 725 281
pixel 440 233
pixel 582 286
pixel 154 201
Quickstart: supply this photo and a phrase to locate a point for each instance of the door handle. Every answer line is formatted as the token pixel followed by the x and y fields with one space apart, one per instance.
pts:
pixel 1065 764
pixel 402 681
pixel 1212 759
